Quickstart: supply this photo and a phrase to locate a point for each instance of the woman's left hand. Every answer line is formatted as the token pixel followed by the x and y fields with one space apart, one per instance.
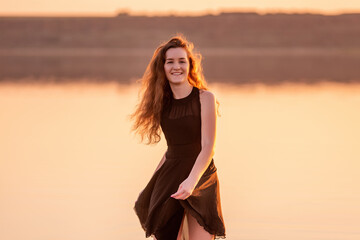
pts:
pixel 185 189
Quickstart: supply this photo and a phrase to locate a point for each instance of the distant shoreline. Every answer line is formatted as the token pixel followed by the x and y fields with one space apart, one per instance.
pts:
pixel 241 48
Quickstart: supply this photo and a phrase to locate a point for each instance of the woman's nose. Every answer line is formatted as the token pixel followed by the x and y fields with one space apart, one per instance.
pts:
pixel 176 66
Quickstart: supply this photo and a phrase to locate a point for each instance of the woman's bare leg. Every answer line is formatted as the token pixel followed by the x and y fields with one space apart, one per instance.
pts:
pixel 197 232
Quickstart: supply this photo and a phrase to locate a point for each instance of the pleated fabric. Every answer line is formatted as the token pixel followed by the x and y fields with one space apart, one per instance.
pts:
pixel 160 215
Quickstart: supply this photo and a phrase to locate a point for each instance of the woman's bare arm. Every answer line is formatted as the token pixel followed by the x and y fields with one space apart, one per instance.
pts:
pixel 208 136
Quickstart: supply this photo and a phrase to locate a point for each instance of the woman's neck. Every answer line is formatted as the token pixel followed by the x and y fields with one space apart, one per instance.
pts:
pixel 181 90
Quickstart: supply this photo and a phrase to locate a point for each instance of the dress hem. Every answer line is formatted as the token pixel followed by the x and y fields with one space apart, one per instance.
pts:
pixel 201 223
pixel 194 215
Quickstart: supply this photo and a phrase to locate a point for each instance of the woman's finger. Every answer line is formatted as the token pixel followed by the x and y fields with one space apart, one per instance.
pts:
pixel 181 195
pixel 178 193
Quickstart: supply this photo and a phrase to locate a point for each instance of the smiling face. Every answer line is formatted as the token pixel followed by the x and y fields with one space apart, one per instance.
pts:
pixel 176 65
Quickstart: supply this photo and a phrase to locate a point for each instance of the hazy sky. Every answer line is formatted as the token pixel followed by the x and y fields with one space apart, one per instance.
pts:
pixel 111 7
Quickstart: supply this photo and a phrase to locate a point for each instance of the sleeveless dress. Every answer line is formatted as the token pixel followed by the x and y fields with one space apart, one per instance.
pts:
pixel 160 215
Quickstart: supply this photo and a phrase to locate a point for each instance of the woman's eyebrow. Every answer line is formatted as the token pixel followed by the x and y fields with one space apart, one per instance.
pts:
pixel 173 59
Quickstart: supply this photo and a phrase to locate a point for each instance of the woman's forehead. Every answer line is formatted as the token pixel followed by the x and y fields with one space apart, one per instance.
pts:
pixel 176 53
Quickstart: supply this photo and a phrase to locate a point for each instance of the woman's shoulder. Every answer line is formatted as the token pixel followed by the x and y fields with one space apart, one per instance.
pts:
pixel 206 93
pixel 207 96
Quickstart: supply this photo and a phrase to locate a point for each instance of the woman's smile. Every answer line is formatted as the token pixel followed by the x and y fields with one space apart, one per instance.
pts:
pixel 176 65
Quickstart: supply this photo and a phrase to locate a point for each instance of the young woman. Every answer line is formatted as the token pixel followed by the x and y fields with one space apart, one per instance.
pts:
pixel 175 100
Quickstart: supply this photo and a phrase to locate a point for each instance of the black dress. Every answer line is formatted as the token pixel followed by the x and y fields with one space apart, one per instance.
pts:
pixel 160 214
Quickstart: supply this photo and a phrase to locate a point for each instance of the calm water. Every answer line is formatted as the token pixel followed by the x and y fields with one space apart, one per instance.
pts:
pixel 287 159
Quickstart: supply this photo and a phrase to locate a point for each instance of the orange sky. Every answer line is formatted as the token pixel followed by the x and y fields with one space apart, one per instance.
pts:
pixel 159 7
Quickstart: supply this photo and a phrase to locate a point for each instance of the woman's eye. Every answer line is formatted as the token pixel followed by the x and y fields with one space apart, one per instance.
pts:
pixel 169 62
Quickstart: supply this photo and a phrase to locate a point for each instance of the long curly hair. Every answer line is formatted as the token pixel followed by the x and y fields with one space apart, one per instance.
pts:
pixel 155 91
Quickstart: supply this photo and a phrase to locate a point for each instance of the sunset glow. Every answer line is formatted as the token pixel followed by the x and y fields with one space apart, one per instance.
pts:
pixel 185 7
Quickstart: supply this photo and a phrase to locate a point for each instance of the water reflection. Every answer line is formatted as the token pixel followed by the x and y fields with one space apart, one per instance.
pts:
pixel 287 160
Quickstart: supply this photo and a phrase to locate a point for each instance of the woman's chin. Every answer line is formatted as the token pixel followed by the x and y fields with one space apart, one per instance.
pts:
pixel 177 81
